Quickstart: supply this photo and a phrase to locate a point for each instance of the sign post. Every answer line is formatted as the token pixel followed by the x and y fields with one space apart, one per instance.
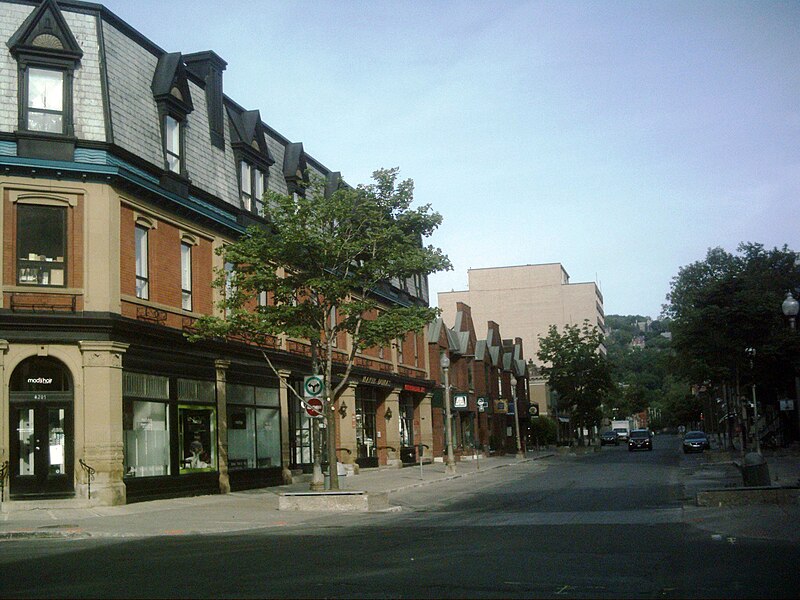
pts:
pixel 313 390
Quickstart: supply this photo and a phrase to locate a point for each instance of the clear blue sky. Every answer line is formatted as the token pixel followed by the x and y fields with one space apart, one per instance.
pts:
pixel 619 138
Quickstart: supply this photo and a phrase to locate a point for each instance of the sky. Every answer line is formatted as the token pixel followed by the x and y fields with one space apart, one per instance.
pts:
pixel 622 139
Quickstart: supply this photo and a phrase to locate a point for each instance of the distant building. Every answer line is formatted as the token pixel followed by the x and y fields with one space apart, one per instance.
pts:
pixel 527 299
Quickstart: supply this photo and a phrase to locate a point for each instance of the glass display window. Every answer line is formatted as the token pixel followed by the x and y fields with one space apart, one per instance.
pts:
pixel 254 435
pixel 145 438
pixel 197 438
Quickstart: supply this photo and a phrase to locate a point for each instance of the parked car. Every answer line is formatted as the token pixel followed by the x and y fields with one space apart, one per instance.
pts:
pixel 609 437
pixel 621 432
pixel 640 439
pixel 695 441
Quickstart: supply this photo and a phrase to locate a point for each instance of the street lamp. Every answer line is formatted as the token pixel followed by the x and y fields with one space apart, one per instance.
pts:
pixel 790 308
pixel 751 352
pixel 520 455
pixel 450 463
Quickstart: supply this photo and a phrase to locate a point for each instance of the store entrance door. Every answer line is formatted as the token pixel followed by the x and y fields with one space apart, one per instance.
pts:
pixel 41 459
pixel 42 430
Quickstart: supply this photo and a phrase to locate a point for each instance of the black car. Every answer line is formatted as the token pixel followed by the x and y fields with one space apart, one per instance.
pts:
pixel 695 441
pixel 640 439
pixel 609 437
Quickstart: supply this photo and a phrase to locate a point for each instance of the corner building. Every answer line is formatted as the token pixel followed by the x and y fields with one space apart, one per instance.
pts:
pixel 123 168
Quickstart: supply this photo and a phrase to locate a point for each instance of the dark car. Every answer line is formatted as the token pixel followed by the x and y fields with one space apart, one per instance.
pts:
pixel 609 437
pixel 695 441
pixel 640 439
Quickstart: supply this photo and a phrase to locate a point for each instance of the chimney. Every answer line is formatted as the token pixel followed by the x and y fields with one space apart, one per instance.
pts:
pixel 208 66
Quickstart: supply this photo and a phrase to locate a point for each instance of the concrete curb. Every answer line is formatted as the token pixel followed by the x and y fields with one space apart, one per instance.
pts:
pixel 743 496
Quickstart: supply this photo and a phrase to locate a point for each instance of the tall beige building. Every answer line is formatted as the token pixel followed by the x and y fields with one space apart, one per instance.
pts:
pixel 526 299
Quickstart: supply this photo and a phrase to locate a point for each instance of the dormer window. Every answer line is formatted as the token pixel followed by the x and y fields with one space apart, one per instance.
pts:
pixel 172 143
pixel 45 105
pixel 47 56
pixel 253 184
pixel 174 101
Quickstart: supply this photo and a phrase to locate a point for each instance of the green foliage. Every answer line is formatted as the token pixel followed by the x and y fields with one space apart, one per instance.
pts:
pixel 640 373
pixel 577 371
pixel 323 259
pixel 543 431
pixel 729 302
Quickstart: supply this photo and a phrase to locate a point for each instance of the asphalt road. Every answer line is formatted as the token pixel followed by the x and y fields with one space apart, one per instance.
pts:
pixel 605 525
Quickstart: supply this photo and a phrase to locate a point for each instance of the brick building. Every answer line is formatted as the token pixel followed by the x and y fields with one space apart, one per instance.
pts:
pixel 123 168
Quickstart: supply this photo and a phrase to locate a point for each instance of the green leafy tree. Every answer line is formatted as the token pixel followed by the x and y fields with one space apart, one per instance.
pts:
pixel 577 371
pixel 727 303
pixel 323 261
pixel 730 302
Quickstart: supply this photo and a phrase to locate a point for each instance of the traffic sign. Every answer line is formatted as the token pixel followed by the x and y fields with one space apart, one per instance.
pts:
pixel 313 386
pixel 314 407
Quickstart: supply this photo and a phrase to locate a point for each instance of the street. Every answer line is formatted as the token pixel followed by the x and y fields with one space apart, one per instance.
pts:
pixel 606 524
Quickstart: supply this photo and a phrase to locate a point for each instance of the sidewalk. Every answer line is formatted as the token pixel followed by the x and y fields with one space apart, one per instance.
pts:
pixel 229 513
pixel 719 470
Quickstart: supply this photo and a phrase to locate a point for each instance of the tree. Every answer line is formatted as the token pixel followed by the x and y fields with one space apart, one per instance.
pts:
pixel 321 262
pixel 727 303
pixel 577 371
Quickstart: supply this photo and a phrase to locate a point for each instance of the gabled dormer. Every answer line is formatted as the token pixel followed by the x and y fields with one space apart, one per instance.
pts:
pixel 170 89
pixel 252 155
pixel 295 168
pixel 47 55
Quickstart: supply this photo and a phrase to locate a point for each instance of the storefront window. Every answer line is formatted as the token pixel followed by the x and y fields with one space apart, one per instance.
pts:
pixel 197 438
pixel 366 425
pixel 254 438
pixel 146 438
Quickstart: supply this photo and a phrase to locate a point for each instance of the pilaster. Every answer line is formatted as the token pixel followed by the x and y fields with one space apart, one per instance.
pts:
pixel 103 444
pixel 391 415
pixel 221 369
pixel 4 425
pixel 283 396
pixel 347 424
pixel 426 424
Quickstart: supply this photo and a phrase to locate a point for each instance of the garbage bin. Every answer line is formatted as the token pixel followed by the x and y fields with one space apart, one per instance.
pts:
pixel 755 471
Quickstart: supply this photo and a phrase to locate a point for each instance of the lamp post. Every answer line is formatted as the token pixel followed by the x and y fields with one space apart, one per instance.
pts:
pixel 520 454
pixel 450 463
pixel 790 308
pixel 751 353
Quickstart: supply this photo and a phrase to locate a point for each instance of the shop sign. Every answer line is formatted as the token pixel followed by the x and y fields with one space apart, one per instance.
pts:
pixel 483 404
pixel 414 388
pixel 460 402
pixel 376 381
pixel 533 409
pixel 787 405
pixel 500 406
